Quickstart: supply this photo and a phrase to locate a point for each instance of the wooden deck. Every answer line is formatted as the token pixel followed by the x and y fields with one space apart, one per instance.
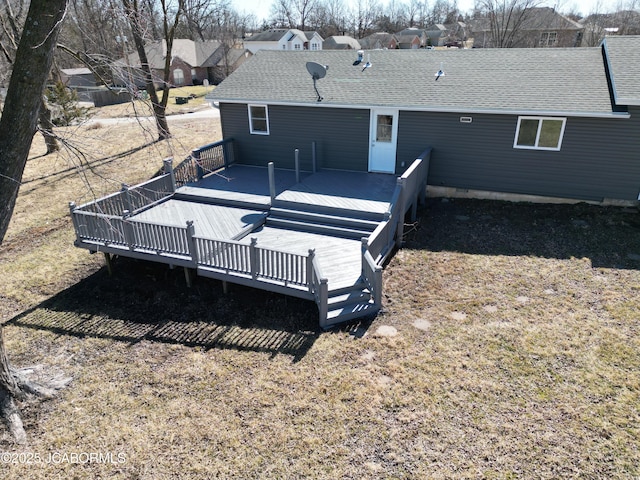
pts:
pixel 321 236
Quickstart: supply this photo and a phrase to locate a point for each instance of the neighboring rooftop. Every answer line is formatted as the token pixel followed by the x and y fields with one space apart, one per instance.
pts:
pixel 543 81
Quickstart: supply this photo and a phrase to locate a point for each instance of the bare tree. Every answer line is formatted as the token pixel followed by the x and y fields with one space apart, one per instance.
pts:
pixel 11 21
pixel 139 25
pixel 31 67
pixel 293 13
pixel 505 19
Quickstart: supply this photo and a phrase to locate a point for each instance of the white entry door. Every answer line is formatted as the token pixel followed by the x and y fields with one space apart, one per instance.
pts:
pixel 383 138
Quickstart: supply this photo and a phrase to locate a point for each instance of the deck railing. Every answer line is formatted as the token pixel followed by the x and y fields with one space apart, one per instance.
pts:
pixel 132 199
pixel 203 161
pixel 378 247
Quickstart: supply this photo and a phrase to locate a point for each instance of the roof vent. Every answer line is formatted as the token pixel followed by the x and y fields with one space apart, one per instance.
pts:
pixel 360 57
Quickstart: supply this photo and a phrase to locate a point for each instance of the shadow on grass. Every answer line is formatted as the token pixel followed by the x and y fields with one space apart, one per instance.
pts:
pixel 608 236
pixel 147 301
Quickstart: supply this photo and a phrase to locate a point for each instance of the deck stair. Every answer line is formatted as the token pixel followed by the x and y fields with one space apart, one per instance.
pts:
pixel 349 303
pixel 213 197
pixel 323 220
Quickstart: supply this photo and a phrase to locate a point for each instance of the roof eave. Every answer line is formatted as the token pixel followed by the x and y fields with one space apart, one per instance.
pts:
pixel 414 108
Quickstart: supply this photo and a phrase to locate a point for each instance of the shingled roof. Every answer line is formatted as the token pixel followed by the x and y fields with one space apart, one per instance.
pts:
pixel 527 81
pixel 623 54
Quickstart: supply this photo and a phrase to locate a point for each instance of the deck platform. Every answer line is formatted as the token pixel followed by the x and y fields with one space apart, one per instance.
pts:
pixel 210 221
pixel 353 191
pixel 320 236
pixel 241 185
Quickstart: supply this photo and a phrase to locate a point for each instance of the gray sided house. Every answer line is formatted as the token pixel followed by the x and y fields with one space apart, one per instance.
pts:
pixel 561 123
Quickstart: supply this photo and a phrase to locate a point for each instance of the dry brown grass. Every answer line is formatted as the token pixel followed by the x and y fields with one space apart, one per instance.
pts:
pixel 517 354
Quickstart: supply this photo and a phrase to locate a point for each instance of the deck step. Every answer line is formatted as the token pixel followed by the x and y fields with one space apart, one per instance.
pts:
pixel 352 297
pixel 351 311
pixel 327 210
pixel 311 227
pixel 324 218
pixel 227 202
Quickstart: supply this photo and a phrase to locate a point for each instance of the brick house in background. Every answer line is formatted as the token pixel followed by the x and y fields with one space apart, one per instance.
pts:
pixel 191 63
pixel 540 27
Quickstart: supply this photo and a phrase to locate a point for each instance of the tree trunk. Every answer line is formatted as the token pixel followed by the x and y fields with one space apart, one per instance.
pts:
pixel 17 127
pixel 46 128
pixel 159 108
pixel 8 390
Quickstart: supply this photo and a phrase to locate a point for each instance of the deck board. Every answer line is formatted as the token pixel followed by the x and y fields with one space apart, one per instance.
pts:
pixel 210 221
pixel 241 183
pixel 366 192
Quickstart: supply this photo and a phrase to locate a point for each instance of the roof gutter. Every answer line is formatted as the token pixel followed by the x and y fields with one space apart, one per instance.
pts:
pixel 413 108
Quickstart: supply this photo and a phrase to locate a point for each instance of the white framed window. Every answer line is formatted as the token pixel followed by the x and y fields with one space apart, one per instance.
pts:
pixel 314 46
pixel 178 76
pixel 258 119
pixel 539 133
pixel 296 46
pixel 548 39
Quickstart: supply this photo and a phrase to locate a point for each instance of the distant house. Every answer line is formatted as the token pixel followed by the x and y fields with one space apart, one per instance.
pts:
pixel 191 63
pixel 341 42
pixel 77 77
pixel 379 41
pixel 540 27
pixel 453 34
pixel 562 123
pixel 412 38
pixel 225 61
pixel 283 39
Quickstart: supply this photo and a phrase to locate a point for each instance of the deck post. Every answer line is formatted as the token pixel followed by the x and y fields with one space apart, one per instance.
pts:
pixel 195 154
pixel 377 292
pixel 253 257
pixel 127 197
pixel 74 220
pixel 107 261
pixel 363 249
pixel 297 164
pixel 401 212
pixel 323 304
pixel 168 168
pixel 310 257
pixel 188 276
pixel 129 235
pixel 193 248
pixel 272 182
pixel 229 154
pixel 313 157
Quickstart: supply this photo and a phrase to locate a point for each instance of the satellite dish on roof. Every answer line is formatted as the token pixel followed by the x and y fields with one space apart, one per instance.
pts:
pixel 317 72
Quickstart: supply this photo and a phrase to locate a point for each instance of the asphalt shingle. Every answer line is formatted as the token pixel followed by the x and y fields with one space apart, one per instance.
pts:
pixel 568 81
pixel 624 60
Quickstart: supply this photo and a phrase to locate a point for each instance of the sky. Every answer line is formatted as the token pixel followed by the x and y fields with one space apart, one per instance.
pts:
pixel 261 8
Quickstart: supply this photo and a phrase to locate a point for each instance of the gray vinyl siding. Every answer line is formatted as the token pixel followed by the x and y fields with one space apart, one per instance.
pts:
pixel 599 157
pixel 341 136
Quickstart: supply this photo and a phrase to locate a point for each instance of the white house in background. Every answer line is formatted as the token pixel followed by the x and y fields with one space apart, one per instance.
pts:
pixel 283 39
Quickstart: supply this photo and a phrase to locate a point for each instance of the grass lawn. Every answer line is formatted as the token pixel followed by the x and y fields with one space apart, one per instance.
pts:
pixel 516 356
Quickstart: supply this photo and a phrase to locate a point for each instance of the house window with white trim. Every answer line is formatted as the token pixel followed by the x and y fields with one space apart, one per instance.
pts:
pixel 539 133
pixel 296 46
pixel 314 46
pixel 548 39
pixel 258 119
pixel 178 76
